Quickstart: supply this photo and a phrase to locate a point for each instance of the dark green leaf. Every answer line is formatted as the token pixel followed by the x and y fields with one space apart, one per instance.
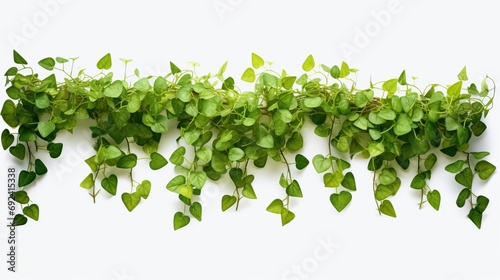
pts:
pixel 301 161
pixel 482 203
pixel 26 178
pixel 478 128
pixel 402 78
pixel 430 161
pixel 463 196
pixel 382 192
pixel 7 139
pixel 19 151
pixel 40 167
pixel 418 181
pixel 349 182
pixel 455 167
pixel 55 149
pixel 476 217
pixel 19 220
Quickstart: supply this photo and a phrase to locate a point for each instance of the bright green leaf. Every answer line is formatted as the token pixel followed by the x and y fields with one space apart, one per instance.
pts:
pixel 340 200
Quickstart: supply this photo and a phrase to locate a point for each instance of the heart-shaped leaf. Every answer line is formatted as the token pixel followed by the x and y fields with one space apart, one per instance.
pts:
pixel 434 199
pixel 32 211
pixel 7 139
pixel 55 149
pixel 19 220
pixel 196 210
pixel 340 200
pixel 110 184
pixel 131 200
pixel 157 161
pixel 19 151
pixel 26 178
pixel 144 189
pixel 40 167
pixel 386 208
pixel 180 220
pixel 227 202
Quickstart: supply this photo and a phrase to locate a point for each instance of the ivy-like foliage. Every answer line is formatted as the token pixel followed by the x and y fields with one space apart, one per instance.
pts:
pixel 394 124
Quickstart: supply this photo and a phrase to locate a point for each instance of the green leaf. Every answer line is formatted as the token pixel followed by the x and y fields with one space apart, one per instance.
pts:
pixel 47 63
pixel 387 114
pixel 294 189
pixel 227 202
pixel 349 182
pixel 142 85
pixel 55 149
pixel 88 182
pixel 333 180
pixel 180 220
pixel 144 188
pixel 375 149
pixel 387 176
pixel 127 161
pixel 266 142
pixel 344 70
pixel 19 220
pixel 110 184
pixel 160 125
pixel 383 192
pixel 19 59
pixel 7 139
pixel 131 200
pixel 321 164
pixel 205 154
pixel 454 90
pixel 286 216
pixel 308 64
pixel 42 100
pixel 176 183
pixel 114 90
pixel 463 196
pixel 482 203
pixel 184 93
pixel 455 167
pixel 335 72
pixel 157 161
pixel 196 210
pixel 360 99
pixel 478 128
pixel 340 200
pixel 26 178
pixel 275 206
pixel 418 181
pixel 434 199
pixel 19 151
pixel 391 86
pixel 236 154
pixel 257 61
pixel 20 197
pixel 465 177
pixel 462 76
pixel 198 179
pixel 45 128
pixel 402 78
pixel 430 161
pixel 343 144
pixel 313 102
pixel 105 62
pixel 484 169
pixel 248 75
pixel 249 192
pixel 386 208
pixel 403 125
pixel 174 69
pixel 301 161
pixel 160 85
pixel 61 60
pixel 177 156
pixel 476 217
pixel 40 168
pixel 480 155
pixel 32 211
pixel 451 124
pixel 9 113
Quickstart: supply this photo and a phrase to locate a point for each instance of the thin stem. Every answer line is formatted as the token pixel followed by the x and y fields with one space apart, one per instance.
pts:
pixel 374 182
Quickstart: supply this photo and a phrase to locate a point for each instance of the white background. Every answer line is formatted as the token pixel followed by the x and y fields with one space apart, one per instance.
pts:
pixel 76 239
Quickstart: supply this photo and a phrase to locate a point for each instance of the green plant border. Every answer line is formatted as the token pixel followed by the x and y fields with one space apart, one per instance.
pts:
pixel 393 123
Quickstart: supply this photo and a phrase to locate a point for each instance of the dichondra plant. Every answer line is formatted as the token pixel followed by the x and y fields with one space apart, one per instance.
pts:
pixel 222 130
